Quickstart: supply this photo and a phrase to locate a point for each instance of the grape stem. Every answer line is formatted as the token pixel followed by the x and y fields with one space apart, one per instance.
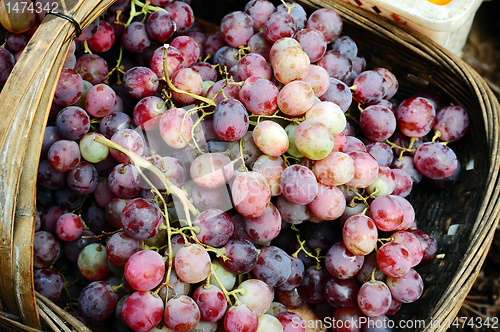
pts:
pixel 301 248
pixel 360 198
pixel 86 47
pixel 274 116
pixel 174 88
pixel 221 286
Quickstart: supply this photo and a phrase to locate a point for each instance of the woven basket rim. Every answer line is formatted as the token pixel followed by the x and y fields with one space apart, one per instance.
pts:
pixel 486 222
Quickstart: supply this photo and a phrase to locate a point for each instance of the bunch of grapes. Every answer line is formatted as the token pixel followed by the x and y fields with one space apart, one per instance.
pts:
pixel 208 183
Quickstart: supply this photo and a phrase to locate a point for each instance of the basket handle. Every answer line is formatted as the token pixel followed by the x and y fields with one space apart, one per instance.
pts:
pixel 26 100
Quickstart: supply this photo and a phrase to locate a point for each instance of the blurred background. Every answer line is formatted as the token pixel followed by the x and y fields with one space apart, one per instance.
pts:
pixel 482 52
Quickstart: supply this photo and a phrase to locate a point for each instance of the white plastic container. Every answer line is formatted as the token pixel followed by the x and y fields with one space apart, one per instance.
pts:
pixel 448 25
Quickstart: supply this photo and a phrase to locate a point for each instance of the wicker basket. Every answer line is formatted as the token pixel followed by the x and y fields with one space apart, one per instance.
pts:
pixel 471 204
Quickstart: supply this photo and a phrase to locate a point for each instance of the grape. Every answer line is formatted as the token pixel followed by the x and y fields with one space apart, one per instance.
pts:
pixel 377 122
pixel 360 234
pixel 186 80
pixel 82 179
pixel 160 26
pixel 213 43
pixel 329 114
pixel 337 65
pixel 91 150
pixel 292 148
pixel 48 283
pixel 97 301
pixel 366 271
pixel 69 227
pixel 92 68
pixel 46 249
pixel 259 11
pixel 254 65
pixel 114 122
pixel 384 184
pixel 174 61
pixel 435 161
pixel 404 183
pixel 93 262
pixel 320 235
pixel 279 25
pixel 381 151
pixel 142 311
pixel 135 38
pixel 190 51
pixel 429 244
pixel 280 45
pixel 64 155
pixel 391 82
pixel 317 77
pixel 227 278
pixel 408 165
pixel 114 211
pixel 370 87
pixel 290 64
pixel 313 139
pixel 211 170
pixel 270 138
pixel 268 323
pixel 256 294
pixel 226 56
pixel 69 87
pixel 329 203
pixel 336 169
pixel 130 140
pixel 144 270
pixel 175 127
pixel 415 117
pixel 410 242
pixel 295 98
pixel 312 287
pixel 326 21
pixel 378 324
pixel 140 82
pixel 292 299
pixel 394 259
pixel 103 39
pixel 273 266
pixel 387 213
pixel 341 293
pixel 296 276
pixel 354 144
pixel 265 227
pixel 296 11
pixel 140 219
pixel 251 194
pixel 206 70
pixel 205 199
pixel 215 227
pixel 366 169
pixel 120 247
pixel 341 263
pixel 345 45
pixel 312 42
pixel 452 122
pixel 211 302
pixel 240 318
pixel 407 288
pixel 338 92
pixel 291 322
pixel 182 14
pixel 7 62
pixel 299 185
pixel 173 170
pixel 230 120
pixel 176 287
pixel 147 112
pixel 72 123
pixel 192 263
pixel 271 168
pixel 237 28
pixel 292 213
pixel 228 91
pixel 101 100
pixel 374 298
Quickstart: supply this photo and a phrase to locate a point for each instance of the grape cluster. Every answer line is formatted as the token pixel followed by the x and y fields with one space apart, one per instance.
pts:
pixel 218 182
